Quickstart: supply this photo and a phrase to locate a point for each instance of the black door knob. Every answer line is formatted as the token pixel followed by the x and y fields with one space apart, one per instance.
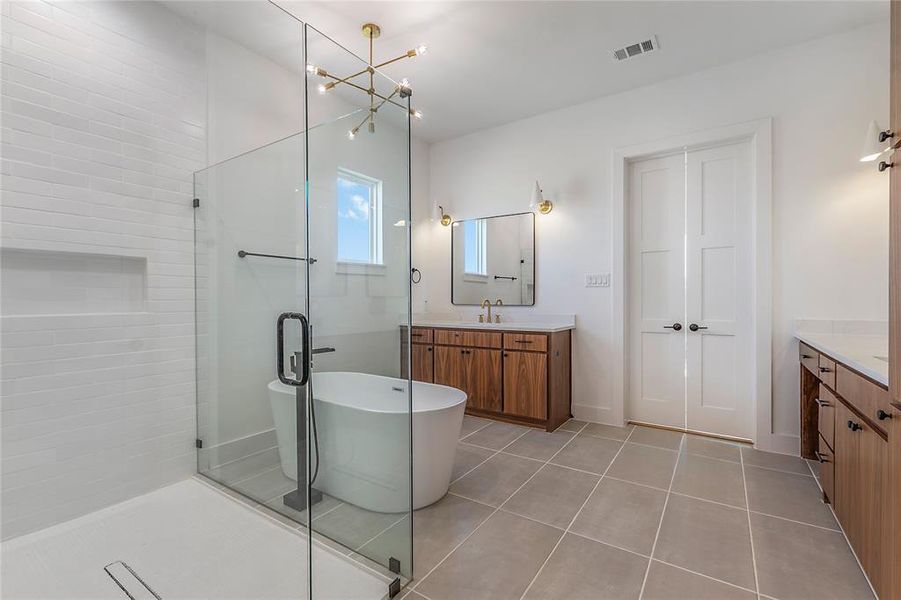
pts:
pixel 695 327
pixel 882 415
pixel 674 326
pixel 854 426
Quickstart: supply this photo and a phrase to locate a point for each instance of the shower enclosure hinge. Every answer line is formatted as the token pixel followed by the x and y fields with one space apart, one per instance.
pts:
pixel 394 565
pixel 196 202
pixel 198 443
pixel 394 587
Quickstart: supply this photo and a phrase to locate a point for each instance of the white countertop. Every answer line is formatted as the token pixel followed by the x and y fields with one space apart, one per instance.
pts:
pixel 548 327
pixel 859 352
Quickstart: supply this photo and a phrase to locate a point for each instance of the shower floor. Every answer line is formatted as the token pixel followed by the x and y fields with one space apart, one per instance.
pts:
pixel 187 540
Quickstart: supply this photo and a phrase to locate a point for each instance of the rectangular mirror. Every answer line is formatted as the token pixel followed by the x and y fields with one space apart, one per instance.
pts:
pixel 493 258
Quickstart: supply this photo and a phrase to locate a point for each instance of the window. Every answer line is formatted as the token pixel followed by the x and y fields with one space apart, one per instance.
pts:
pixel 359 218
pixel 475 260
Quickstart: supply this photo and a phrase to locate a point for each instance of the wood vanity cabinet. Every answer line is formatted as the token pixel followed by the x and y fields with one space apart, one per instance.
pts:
pixel 841 416
pixel 521 376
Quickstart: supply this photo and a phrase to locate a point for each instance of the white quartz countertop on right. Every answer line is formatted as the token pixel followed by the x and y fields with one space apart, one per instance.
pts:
pixel 866 354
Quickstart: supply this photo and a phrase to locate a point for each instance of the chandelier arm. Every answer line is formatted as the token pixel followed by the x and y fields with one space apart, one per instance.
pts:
pixel 363 122
pixel 345 79
pixel 393 60
pixel 376 94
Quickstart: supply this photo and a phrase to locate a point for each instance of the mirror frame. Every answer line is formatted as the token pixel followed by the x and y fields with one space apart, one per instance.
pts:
pixel 534 255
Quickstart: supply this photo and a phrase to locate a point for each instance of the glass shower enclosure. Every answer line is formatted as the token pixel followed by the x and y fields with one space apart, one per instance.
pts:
pixel 302 263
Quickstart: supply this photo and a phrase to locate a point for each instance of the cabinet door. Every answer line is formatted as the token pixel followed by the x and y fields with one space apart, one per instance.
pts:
pixel 482 373
pixel 847 492
pixel 423 366
pixel 874 516
pixel 525 384
pixel 448 367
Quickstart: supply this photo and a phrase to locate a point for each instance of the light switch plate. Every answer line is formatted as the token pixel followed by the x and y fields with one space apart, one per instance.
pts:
pixel 597 279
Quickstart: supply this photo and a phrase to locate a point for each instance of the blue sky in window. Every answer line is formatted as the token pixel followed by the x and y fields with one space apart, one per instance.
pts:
pixel 353 221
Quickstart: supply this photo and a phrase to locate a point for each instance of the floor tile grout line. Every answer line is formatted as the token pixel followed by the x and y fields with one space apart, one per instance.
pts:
pixel 496 510
pixel 795 521
pixel 578 512
pixel 495 453
pixel 744 482
pixel 647 571
pixel 474 431
pixel 705 576
pixel 357 549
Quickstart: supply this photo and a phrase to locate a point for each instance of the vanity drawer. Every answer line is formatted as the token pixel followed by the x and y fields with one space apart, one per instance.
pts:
pixel 827 371
pixel 827 468
pixel 826 402
pixel 421 335
pixel 866 396
pixel 462 337
pixel 810 358
pixel 525 341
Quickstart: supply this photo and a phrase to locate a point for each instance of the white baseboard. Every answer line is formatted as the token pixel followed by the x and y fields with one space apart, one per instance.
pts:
pixel 595 414
pixel 779 443
pixel 232 450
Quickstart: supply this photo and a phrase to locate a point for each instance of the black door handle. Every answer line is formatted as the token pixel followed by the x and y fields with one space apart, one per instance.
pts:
pixel 674 326
pixel 882 415
pixel 695 327
pixel 305 348
pixel 853 426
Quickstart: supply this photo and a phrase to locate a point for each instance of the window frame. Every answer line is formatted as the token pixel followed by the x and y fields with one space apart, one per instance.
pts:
pixel 376 230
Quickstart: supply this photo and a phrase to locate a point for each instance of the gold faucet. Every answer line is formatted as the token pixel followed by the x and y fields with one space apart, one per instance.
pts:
pixel 497 317
pixel 486 303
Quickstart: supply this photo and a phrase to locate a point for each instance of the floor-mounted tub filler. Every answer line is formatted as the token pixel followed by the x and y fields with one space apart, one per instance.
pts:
pixel 360 419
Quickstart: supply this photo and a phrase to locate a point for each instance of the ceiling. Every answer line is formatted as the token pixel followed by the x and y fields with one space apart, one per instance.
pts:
pixel 490 63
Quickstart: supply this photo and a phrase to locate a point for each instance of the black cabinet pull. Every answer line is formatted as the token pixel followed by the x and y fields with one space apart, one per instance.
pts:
pixel 822 403
pixel 806 356
pixel 820 457
pixel 854 426
pixel 674 326
pixel 695 327
pixel 429 348
pixel 825 369
pixel 882 415
pixel 523 341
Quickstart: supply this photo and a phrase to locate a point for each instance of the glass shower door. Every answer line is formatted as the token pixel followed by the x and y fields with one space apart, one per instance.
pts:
pixel 358 186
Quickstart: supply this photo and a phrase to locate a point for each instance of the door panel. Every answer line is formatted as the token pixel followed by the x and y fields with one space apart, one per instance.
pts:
pixel 847 450
pixel 421 359
pixel 525 384
pixel 718 279
pixel 482 374
pixel 656 288
pixel 449 367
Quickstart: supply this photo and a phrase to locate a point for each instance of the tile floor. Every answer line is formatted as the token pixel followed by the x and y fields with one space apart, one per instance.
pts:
pixel 593 511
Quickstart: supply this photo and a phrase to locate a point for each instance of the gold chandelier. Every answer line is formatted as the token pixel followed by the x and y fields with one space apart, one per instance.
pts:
pixel 376 100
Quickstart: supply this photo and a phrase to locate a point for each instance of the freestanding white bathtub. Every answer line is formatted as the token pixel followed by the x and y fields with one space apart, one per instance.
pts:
pixel 363 423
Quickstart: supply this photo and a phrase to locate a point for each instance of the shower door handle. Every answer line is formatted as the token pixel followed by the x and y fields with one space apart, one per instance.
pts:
pixel 305 348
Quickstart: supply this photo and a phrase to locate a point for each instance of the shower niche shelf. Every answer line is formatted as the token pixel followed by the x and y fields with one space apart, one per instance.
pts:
pixel 50 282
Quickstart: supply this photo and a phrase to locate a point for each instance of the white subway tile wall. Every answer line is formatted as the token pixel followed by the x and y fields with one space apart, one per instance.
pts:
pixel 103 123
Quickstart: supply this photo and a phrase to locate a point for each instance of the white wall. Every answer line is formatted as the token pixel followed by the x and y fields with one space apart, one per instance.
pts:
pixel 103 124
pixel 830 211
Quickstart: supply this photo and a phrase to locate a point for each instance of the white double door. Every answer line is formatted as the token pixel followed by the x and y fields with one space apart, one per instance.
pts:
pixel 690 307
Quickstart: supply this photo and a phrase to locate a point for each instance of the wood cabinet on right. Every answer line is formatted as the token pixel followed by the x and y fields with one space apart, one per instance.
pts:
pixel 861 497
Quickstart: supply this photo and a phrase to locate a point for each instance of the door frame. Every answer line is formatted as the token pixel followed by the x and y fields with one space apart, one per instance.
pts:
pixel 759 134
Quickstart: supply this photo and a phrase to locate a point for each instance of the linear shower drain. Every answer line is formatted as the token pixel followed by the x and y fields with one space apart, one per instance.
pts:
pixel 130 582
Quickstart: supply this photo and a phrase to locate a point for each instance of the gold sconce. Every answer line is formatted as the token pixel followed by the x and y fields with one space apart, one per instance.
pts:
pixel 443 216
pixel 539 202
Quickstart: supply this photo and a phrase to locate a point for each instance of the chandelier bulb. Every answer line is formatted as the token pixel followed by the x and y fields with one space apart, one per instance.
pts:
pixel 415 113
pixel 421 49
pixel 351 134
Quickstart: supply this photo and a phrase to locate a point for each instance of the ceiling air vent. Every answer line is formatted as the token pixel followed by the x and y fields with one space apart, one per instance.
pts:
pixel 636 49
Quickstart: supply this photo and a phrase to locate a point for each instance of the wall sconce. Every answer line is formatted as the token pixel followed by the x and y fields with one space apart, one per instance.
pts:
pixel 538 201
pixel 443 217
pixel 876 143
